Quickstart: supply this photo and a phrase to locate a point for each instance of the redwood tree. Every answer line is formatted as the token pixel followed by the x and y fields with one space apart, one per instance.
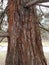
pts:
pixel 24 46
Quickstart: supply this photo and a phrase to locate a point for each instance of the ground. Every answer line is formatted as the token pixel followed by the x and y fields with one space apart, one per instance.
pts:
pixel 3 50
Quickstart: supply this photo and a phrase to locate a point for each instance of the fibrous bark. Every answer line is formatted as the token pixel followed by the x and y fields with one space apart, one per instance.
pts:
pixel 25 47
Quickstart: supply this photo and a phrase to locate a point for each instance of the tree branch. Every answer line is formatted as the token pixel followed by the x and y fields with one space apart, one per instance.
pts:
pixel 5 34
pixel 42 27
pixel 34 2
pixel 2 39
pixel 39 4
pixel 2 14
pixel 31 3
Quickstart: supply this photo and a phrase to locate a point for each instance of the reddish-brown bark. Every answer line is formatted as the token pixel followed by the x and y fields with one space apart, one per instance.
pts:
pixel 25 47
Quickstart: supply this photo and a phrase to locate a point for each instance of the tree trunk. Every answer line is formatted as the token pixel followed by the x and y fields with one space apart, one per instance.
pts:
pixel 25 47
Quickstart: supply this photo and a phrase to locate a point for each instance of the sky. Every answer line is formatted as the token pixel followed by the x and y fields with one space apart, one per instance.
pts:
pixel 4 3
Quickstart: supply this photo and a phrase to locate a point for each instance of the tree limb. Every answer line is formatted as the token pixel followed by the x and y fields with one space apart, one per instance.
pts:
pixel 2 39
pixel 5 34
pixel 39 4
pixel 34 2
pixel 42 27
pixel 2 14
pixel 30 3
